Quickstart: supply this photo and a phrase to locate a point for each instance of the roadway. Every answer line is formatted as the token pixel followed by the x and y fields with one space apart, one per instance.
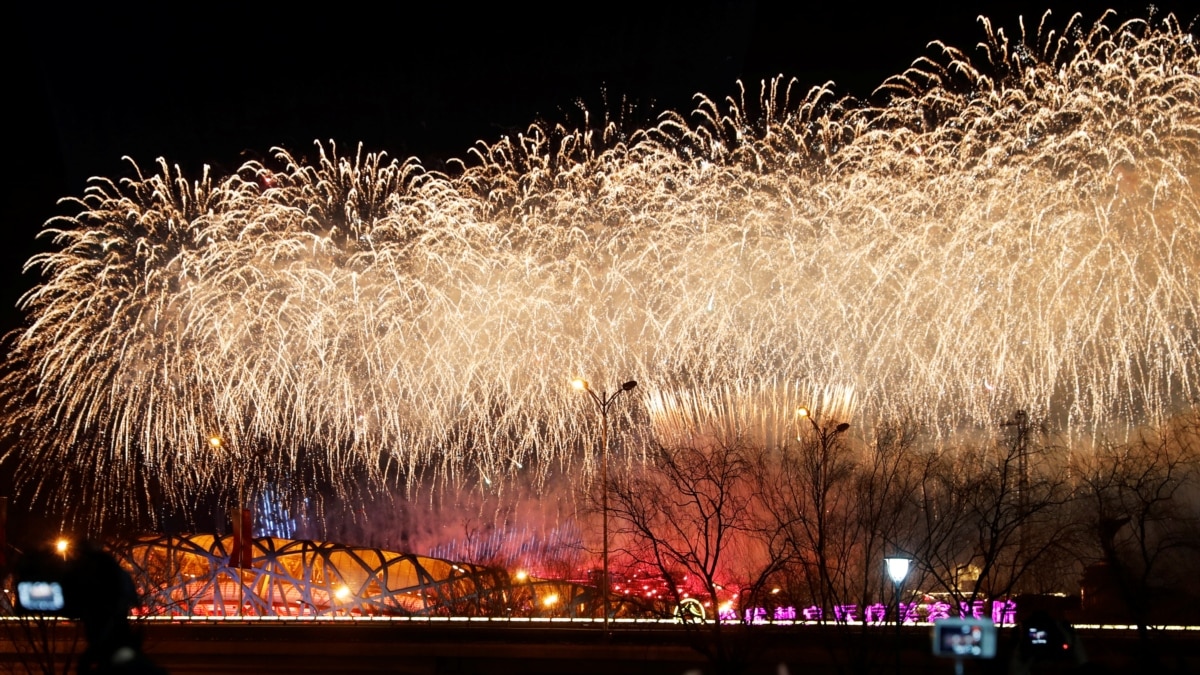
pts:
pixel 494 648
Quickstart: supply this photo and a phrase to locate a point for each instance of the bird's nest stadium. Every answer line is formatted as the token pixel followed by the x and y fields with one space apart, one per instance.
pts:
pixel 198 575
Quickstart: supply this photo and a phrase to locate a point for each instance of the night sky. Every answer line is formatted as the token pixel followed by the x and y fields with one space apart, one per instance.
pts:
pixel 201 84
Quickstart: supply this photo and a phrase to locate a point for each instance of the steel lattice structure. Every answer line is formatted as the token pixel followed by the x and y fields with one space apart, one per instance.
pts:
pixel 195 575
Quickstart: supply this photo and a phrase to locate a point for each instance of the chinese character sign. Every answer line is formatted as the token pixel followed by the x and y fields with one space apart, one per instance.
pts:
pixel 1004 611
pixel 1001 612
pixel 785 614
pixel 876 613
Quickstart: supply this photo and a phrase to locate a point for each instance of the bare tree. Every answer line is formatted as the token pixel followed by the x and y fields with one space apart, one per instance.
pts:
pixel 1141 503
pixel 40 645
pixel 688 515
pixel 840 508
pixel 812 499
pixel 993 515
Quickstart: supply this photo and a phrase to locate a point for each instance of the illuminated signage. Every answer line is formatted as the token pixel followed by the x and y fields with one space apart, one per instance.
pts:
pixel 999 611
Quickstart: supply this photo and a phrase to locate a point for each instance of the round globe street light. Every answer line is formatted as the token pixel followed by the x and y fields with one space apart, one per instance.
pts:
pixel 603 401
pixel 897 570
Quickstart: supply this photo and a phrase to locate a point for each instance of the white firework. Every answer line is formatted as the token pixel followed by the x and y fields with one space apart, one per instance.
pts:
pixel 1017 231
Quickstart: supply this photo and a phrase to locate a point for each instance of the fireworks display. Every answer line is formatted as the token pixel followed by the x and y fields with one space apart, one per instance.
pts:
pixel 1021 230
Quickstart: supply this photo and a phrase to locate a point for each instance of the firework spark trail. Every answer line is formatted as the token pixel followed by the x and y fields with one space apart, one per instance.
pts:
pixel 1022 231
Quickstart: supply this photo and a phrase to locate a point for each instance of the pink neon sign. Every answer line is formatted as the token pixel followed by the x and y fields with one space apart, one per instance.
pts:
pixel 999 611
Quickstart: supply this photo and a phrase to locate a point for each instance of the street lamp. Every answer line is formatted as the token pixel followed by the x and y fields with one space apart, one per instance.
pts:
pixel 824 434
pixel 603 401
pixel 826 439
pixel 897 570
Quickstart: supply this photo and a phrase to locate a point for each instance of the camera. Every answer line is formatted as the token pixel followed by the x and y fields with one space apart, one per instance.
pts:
pixel 40 596
pixel 88 585
pixel 964 638
pixel 44 584
pixel 92 588
pixel 1045 639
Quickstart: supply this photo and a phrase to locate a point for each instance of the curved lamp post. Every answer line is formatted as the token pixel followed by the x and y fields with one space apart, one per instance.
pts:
pixel 825 435
pixel 603 401
pixel 818 470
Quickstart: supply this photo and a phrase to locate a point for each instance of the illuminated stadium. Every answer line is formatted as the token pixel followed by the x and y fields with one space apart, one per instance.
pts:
pixel 196 575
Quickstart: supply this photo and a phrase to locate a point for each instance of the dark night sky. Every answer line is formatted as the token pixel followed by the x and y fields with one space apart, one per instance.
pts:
pixel 202 84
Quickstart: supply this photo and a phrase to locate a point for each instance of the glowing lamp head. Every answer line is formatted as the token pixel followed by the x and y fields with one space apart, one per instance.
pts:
pixel 214 441
pixel 802 412
pixel 342 593
pixel 62 545
pixel 522 575
pixel 580 384
pixel 897 568
pixel 550 600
